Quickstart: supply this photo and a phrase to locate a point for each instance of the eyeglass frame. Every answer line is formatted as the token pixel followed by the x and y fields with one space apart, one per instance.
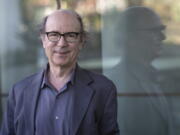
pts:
pixel 64 35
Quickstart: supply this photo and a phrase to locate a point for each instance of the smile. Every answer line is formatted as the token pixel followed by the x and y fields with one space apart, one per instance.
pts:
pixel 61 52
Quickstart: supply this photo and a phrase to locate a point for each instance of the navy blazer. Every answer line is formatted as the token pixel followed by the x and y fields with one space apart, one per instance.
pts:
pixel 94 106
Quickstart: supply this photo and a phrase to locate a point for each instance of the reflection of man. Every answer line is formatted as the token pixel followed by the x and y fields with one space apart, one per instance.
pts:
pixel 63 99
pixel 145 111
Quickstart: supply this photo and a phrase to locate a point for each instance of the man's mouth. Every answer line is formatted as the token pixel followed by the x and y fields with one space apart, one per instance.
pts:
pixel 61 52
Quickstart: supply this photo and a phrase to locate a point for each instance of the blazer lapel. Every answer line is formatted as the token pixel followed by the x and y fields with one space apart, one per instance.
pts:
pixel 31 95
pixel 82 96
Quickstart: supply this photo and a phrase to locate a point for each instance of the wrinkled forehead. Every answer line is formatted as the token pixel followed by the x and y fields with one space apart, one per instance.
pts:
pixel 63 20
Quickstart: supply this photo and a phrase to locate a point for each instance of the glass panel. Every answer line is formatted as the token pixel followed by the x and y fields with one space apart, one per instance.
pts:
pixel 142 59
pixel 148 93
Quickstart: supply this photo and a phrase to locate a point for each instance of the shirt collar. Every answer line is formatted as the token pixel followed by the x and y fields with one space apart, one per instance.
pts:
pixel 45 81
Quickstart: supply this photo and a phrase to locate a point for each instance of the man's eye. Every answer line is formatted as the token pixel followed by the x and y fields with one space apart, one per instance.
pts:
pixel 73 35
pixel 53 34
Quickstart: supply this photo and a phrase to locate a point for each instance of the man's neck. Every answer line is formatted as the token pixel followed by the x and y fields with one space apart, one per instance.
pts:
pixel 59 76
pixel 138 61
pixel 60 72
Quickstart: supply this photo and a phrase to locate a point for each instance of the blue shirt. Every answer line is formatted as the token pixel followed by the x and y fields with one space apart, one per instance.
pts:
pixel 54 108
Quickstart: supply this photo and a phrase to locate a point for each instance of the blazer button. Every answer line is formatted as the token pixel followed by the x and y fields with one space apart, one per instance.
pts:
pixel 57 117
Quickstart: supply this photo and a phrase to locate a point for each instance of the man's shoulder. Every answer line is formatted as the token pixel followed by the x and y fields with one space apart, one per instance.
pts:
pixel 19 87
pixel 27 80
pixel 98 78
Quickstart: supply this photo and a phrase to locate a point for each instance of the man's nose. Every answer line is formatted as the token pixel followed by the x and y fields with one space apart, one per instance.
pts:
pixel 62 42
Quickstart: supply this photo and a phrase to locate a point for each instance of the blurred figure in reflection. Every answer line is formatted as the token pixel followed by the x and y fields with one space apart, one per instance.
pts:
pixel 143 110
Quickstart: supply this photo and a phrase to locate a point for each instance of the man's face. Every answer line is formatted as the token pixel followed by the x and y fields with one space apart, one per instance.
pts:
pixel 62 53
pixel 152 43
pixel 147 44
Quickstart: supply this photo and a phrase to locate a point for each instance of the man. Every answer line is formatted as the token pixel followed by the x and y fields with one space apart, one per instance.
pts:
pixel 63 99
pixel 145 110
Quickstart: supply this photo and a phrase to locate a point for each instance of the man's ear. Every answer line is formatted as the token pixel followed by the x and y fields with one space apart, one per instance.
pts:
pixel 43 40
pixel 82 44
pixel 83 40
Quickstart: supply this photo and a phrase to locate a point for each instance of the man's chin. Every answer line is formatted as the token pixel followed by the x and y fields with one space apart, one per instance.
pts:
pixel 59 63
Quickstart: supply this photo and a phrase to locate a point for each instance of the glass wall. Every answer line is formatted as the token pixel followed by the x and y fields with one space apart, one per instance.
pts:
pixel 128 45
pixel 141 53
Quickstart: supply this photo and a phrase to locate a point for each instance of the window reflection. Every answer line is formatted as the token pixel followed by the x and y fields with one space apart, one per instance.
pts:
pixel 106 51
pixel 140 35
pixel 146 71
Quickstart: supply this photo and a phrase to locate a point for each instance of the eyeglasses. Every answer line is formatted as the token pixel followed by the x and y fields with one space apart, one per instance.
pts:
pixel 69 36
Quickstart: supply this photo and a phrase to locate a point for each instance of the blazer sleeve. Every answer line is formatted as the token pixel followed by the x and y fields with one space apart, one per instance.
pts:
pixel 109 125
pixel 7 127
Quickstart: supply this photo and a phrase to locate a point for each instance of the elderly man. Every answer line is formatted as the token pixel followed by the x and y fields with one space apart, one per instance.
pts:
pixel 63 99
